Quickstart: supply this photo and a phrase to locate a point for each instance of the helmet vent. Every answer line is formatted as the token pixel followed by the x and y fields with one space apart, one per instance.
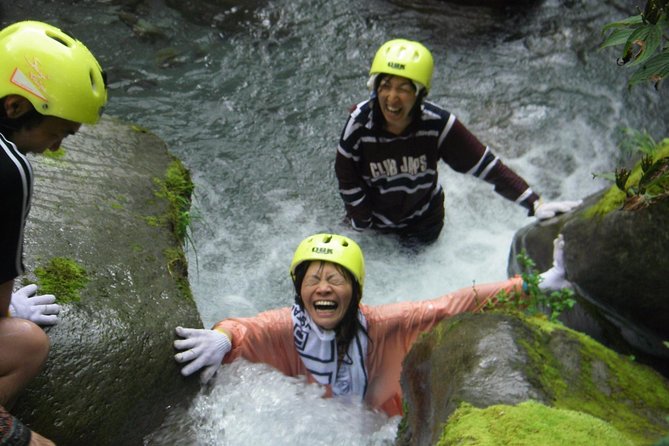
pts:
pixel 59 38
pixel 91 75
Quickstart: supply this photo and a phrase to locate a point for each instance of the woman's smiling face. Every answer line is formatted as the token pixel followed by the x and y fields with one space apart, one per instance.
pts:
pixel 326 293
pixel 396 96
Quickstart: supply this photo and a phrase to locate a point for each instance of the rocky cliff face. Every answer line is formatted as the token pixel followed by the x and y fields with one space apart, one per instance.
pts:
pixel 102 236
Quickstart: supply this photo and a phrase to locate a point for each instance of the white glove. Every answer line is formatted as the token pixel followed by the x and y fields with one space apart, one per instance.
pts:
pixel 41 310
pixel 544 211
pixel 554 279
pixel 204 348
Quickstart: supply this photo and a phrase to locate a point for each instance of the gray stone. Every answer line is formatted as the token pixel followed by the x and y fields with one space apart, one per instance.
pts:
pixel 492 359
pixel 466 358
pixel 110 378
pixel 617 263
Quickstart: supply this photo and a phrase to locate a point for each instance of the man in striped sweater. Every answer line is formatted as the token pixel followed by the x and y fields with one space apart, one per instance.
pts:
pixel 49 85
pixel 391 144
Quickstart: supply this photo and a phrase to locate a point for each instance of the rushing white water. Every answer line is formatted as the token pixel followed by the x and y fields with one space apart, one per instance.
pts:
pixel 256 113
pixel 254 404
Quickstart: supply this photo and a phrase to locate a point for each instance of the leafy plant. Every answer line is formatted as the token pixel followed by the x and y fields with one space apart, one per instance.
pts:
pixel 645 42
pixel 650 180
pixel 633 142
pixel 534 300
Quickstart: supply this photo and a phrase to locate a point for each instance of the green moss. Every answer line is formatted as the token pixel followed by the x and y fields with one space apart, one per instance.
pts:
pixel 54 154
pixel 403 426
pixel 530 424
pixel 600 383
pixel 177 265
pixel 62 277
pixel 633 391
pixel 176 187
pixel 614 198
pixel 154 221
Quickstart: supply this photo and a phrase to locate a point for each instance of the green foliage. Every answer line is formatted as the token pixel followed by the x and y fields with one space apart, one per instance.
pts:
pixel 648 182
pixel 644 43
pixel 555 303
pixel 534 300
pixel 634 142
pixel 63 278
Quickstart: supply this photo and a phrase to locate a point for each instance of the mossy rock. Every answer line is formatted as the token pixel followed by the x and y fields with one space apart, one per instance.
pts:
pixel 121 282
pixel 490 359
pixel 616 255
pixel 582 375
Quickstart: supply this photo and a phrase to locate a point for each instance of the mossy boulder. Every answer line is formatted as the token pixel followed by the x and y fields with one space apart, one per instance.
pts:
pixel 486 360
pixel 105 235
pixel 617 256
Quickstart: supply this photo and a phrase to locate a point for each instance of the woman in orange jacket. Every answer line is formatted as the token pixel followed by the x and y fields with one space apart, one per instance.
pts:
pixel 353 350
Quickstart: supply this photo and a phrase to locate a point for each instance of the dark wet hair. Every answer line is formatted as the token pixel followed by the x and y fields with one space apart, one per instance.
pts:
pixel 27 121
pixel 349 325
pixel 415 112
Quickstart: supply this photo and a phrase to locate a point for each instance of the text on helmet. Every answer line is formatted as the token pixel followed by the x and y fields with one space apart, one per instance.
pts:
pixel 396 65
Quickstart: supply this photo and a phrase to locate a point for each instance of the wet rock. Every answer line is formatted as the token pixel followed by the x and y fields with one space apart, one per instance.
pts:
pixel 228 15
pixel 616 255
pixel 103 205
pixel 460 361
pixel 486 360
pixel 494 3
pixel 621 260
pixel 143 28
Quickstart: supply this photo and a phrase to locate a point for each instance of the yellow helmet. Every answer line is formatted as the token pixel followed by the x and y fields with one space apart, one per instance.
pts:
pixel 53 70
pixel 406 58
pixel 331 248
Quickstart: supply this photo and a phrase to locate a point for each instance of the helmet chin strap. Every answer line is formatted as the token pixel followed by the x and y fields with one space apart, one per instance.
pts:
pixel 419 88
pixel 371 81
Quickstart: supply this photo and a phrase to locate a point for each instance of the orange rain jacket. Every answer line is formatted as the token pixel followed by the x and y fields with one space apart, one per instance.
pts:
pixel 392 329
